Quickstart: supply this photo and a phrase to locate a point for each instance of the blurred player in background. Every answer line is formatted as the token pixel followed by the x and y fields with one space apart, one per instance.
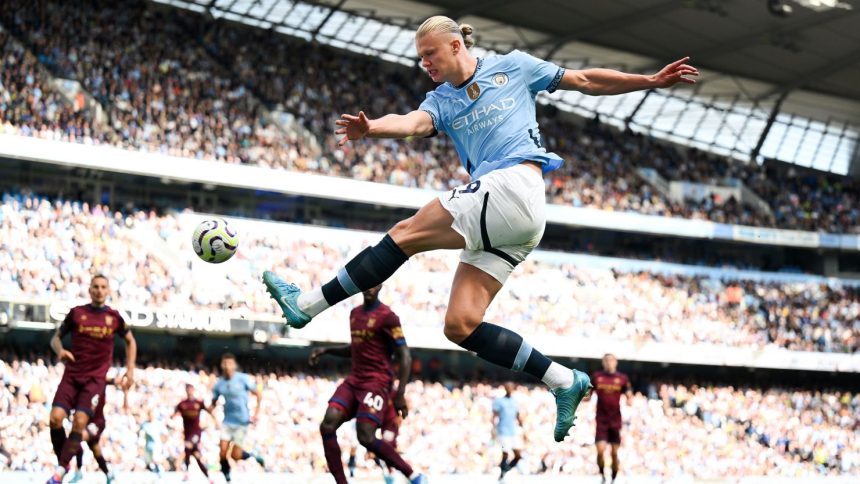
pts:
pixel 376 336
pixel 234 386
pixel 93 327
pixel 609 385
pixel 92 436
pixel 152 431
pixel 506 418
pixel 190 409
pixel 487 107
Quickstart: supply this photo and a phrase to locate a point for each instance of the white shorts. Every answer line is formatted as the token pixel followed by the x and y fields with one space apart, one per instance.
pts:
pixel 234 433
pixel 510 443
pixel 501 215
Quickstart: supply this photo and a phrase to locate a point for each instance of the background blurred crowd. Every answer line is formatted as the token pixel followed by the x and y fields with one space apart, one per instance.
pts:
pixel 671 429
pixel 148 258
pixel 175 82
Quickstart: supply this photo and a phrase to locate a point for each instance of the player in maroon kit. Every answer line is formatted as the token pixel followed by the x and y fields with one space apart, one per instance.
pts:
pixel 190 409
pixel 93 328
pixel 609 384
pixel 376 335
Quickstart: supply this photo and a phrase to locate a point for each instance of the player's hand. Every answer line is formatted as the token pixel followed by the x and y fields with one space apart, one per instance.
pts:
pixel 401 406
pixel 354 127
pixel 314 358
pixel 127 380
pixel 66 355
pixel 674 73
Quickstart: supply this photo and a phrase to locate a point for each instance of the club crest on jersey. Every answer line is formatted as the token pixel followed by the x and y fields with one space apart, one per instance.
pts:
pixel 474 90
pixel 500 79
pixel 109 320
pixel 371 322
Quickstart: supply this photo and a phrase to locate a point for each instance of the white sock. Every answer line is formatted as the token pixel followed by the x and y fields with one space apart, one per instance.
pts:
pixel 557 376
pixel 312 302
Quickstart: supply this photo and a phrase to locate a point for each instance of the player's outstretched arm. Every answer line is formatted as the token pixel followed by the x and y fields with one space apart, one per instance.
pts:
pixel 354 128
pixel 404 359
pixel 344 351
pixel 603 82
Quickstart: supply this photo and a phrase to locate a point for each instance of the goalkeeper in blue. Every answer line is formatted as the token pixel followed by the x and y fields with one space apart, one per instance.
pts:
pixel 487 107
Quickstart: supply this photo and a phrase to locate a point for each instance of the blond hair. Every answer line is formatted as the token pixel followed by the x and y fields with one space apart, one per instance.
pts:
pixel 442 24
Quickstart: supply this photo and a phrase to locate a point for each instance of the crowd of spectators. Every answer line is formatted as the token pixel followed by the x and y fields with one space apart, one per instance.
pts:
pixel 671 430
pixel 179 83
pixel 148 258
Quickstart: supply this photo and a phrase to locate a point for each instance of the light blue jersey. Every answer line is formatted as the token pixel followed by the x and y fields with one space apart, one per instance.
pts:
pixel 491 116
pixel 235 392
pixel 152 432
pixel 506 408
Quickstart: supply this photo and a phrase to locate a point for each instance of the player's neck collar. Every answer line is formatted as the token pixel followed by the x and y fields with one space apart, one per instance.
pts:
pixel 467 81
pixel 371 307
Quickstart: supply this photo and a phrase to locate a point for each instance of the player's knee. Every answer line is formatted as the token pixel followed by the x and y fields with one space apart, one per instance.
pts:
pixel 366 437
pixel 55 421
pixel 401 234
pixel 459 325
pixel 327 428
pixel 80 421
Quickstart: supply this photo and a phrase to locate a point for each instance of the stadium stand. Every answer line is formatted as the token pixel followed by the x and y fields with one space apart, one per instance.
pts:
pixel 623 304
pixel 203 89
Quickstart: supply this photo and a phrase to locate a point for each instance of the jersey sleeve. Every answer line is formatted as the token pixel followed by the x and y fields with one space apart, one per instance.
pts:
pixel 496 406
pixel 394 330
pixel 249 383
pixel 122 327
pixel 68 324
pixel 540 75
pixel 430 105
pixel 216 392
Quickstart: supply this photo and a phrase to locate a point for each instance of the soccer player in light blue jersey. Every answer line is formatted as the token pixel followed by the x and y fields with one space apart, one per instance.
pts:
pixel 487 106
pixel 506 418
pixel 235 386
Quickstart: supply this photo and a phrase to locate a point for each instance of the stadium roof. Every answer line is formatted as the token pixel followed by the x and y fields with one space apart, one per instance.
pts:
pixel 814 48
pixel 803 68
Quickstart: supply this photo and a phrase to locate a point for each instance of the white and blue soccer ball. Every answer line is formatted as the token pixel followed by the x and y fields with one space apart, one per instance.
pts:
pixel 214 241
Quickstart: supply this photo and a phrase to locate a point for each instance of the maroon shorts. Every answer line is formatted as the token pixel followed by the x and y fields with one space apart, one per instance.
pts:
pixel 83 394
pixel 361 402
pixel 608 432
pixel 192 442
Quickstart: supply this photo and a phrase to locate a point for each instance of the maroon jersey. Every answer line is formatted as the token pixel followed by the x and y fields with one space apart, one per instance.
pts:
pixel 609 387
pixel 190 411
pixel 375 333
pixel 93 330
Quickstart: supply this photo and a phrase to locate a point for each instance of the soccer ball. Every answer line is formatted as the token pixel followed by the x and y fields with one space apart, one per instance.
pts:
pixel 214 241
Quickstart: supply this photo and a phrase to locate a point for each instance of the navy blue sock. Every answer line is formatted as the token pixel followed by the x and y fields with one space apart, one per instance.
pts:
pixel 506 348
pixel 369 268
pixel 246 454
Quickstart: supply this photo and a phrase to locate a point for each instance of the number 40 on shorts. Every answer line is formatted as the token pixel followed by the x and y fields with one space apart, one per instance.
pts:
pixel 373 401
